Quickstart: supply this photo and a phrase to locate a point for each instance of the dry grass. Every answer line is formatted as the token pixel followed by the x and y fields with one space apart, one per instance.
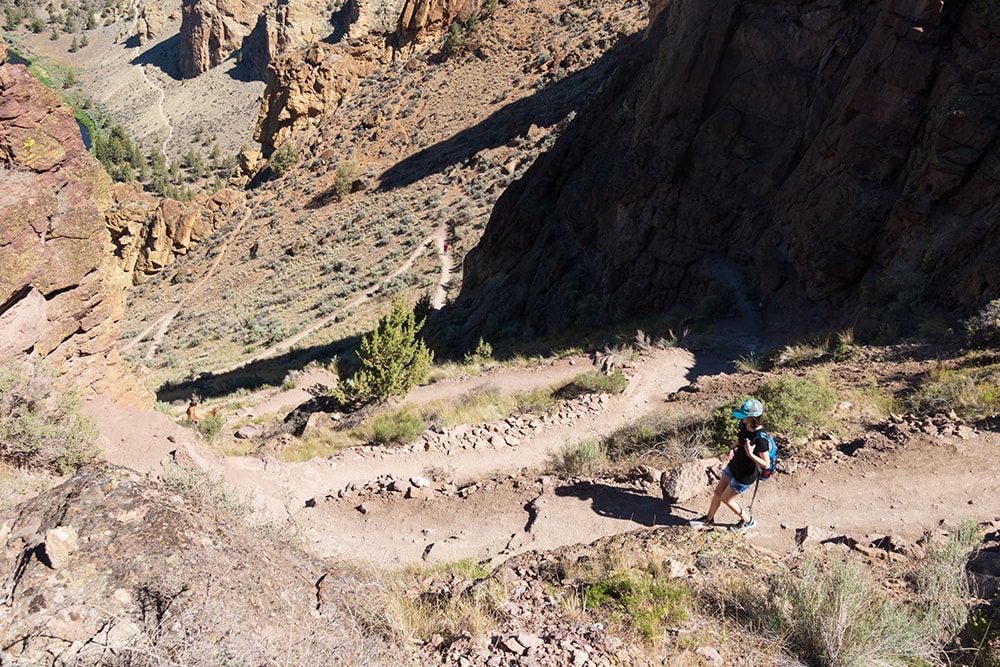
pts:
pixel 447 600
pixel 18 484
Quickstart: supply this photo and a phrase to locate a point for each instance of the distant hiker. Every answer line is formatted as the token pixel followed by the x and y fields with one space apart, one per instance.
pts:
pixel 446 248
pixel 191 413
pixel 751 449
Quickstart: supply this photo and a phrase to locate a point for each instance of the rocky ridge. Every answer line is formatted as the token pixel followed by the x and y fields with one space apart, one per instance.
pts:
pixel 149 232
pixel 112 567
pixel 61 298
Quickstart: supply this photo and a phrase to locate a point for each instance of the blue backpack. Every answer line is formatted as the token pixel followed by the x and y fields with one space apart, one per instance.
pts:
pixel 765 473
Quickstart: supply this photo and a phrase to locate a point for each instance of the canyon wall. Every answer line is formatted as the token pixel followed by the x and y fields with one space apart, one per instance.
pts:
pixel 61 294
pixel 828 162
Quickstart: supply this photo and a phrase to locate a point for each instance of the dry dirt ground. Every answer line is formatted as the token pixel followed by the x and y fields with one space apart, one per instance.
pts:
pixel 901 484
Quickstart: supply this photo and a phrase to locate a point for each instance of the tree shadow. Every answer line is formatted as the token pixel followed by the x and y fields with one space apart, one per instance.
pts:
pixel 544 108
pixel 163 56
pixel 621 503
pixel 269 372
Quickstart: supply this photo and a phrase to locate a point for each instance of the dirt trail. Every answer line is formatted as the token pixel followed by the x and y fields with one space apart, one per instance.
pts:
pixel 162 323
pixel 877 491
pixel 437 238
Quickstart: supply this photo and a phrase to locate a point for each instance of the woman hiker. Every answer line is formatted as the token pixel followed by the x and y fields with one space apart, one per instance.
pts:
pixel 749 451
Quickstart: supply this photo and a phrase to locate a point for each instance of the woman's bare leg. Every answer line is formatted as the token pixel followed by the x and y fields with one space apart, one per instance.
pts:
pixel 720 488
pixel 728 498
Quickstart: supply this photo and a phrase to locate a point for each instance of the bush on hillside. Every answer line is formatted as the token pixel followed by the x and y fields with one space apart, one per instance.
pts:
pixel 793 407
pixel 984 327
pixel 972 393
pixel 393 358
pixel 283 159
pixel 835 612
pixel 343 181
pixel 40 427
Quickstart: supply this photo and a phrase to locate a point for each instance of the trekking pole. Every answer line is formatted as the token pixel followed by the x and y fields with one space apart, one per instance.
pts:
pixel 756 485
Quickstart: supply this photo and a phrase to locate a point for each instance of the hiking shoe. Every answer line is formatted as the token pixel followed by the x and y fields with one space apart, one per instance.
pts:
pixel 744 526
pixel 701 522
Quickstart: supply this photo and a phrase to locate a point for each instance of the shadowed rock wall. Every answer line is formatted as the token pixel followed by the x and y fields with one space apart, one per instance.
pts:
pixel 836 162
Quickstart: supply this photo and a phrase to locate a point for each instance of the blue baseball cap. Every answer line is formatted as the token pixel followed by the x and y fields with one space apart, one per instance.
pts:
pixel 750 408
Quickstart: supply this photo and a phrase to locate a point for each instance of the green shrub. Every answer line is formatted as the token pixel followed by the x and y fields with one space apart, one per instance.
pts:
pixel 343 181
pixel 40 427
pixel 972 393
pixel 578 458
pixel 637 600
pixel 283 158
pixel 941 580
pixel 816 350
pixel 455 40
pixel 984 327
pixel 793 408
pixel 393 358
pixel 210 426
pixel 481 355
pixel 749 363
pixel 398 428
pixel 835 614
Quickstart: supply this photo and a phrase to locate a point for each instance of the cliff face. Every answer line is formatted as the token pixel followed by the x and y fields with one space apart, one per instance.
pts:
pixel 211 30
pixel 834 158
pixel 61 298
pixel 306 84
pixel 148 233
pixel 424 20
pixel 306 78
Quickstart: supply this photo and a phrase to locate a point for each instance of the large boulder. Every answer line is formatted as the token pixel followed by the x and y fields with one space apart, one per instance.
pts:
pixel 829 163
pixel 113 568
pixel 687 480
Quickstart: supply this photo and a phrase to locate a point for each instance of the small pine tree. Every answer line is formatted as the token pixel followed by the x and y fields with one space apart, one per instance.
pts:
pixel 394 358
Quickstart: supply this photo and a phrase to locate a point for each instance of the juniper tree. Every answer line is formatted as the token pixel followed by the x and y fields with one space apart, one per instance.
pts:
pixel 394 358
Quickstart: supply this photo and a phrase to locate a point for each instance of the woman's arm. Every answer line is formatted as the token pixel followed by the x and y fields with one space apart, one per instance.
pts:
pixel 763 459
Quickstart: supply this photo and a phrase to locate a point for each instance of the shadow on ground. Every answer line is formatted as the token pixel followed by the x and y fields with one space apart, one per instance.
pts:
pixel 622 503
pixel 544 108
pixel 269 372
pixel 163 56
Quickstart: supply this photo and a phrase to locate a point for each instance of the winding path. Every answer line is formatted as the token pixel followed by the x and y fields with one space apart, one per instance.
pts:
pixel 166 121
pixel 162 323
pixel 159 89
pixel 437 238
